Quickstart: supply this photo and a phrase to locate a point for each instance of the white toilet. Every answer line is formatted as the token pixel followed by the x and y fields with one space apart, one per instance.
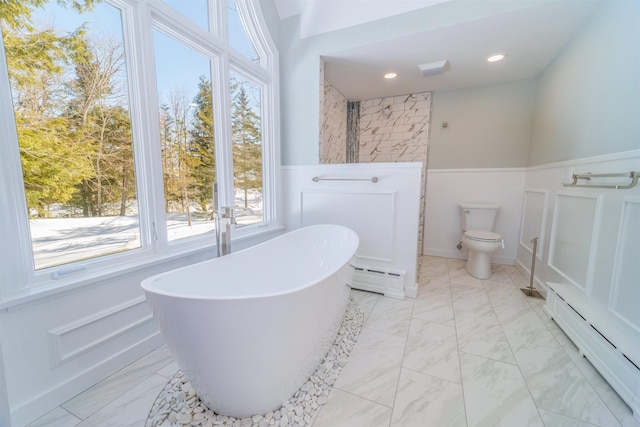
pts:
pixel 478 220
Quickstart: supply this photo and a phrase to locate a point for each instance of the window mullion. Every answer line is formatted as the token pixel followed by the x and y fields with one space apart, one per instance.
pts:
pixel 145 128
pixel 17 257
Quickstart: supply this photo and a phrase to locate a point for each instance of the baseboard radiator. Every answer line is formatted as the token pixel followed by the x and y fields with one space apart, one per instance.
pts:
pixel 374 279
pixel 608 344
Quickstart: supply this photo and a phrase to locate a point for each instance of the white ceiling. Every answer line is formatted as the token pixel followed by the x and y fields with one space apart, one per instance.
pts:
pixel 531 35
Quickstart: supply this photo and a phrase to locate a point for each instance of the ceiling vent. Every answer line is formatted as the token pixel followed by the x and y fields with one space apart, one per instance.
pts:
pixel 433 68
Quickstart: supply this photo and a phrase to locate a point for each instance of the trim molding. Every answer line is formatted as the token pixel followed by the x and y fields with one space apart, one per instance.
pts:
pixel 63 350
pixel 624 155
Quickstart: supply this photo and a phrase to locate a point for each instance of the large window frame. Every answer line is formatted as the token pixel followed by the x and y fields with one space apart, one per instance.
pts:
pixel 18 276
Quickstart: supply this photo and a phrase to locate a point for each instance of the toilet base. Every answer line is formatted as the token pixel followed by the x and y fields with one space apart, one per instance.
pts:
pixel 479 264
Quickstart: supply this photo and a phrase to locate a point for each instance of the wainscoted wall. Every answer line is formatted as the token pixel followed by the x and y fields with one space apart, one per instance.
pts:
pixel 333 129
pixel 62 342
pixel 589 253
pixel 446 188
pixel 578 227
pixel 383 213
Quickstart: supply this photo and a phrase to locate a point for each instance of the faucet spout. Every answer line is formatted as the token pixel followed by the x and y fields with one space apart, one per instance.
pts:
pixel 224 218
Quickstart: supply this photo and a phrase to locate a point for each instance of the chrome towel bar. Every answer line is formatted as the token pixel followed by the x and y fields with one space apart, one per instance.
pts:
pixel 633 176
pixel 373 179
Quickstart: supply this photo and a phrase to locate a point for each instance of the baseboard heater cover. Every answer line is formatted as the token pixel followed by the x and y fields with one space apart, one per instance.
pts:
pixel 607 356
pixel 375 279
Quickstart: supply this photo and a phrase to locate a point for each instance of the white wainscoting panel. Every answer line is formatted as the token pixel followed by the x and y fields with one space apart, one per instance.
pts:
pixel 625 286
pixel 574 237
pixel 384 214
pixel 368 210
pixel 83 335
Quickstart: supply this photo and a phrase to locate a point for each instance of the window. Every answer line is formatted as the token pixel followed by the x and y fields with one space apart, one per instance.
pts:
pixel 195 10
pixel 246 136
pixel 186 137
pixel 122 129
pixel 238 36
pixel 70 99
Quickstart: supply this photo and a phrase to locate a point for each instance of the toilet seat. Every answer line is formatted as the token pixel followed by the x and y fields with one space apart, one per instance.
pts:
pixel 482 236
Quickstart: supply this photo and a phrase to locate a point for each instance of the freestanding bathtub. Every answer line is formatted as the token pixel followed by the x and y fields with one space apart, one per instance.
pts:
pixel 248 329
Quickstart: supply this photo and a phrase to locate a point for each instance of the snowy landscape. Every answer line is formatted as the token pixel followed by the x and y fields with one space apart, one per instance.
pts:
pixel 58 241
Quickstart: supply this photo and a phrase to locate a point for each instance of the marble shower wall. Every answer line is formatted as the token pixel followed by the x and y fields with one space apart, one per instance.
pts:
pixel 400 136
pixel 333 129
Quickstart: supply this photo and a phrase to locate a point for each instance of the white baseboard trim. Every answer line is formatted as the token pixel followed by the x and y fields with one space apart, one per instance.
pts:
pixel 455 254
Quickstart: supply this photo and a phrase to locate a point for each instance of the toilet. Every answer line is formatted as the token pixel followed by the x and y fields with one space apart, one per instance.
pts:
pixel 478 220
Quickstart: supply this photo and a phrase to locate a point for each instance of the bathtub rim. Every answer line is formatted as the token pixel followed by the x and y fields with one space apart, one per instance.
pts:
pixel 147 283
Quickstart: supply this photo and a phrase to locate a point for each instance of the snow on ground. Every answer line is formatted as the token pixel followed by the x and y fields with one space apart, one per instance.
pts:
pixel 58 241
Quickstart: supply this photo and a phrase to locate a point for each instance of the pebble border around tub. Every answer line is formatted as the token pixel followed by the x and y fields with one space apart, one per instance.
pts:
pixel 178 405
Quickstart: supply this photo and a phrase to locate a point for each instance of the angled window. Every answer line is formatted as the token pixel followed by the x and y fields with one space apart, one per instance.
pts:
pixel 238 36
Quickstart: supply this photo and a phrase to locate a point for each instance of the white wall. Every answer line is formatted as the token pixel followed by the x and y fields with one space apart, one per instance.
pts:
pixel 300 64
pixel 588 99
pixel 446 188
pixel 478 157
pixel 486 127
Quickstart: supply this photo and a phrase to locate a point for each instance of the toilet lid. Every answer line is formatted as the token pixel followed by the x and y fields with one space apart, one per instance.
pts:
pixel 483 236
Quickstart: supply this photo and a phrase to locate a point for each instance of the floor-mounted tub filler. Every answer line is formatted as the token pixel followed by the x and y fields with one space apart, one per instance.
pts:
pixel 248 329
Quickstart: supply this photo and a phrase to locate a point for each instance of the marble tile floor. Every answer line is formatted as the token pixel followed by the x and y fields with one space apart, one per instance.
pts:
pixel 465 352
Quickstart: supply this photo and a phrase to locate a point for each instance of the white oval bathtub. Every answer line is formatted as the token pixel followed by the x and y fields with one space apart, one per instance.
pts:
pixel 249 328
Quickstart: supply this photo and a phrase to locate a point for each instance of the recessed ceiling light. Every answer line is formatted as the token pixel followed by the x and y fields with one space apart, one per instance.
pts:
pixel 391 75
pixel 497 57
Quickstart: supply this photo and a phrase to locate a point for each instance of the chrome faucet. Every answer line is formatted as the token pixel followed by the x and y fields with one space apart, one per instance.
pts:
pixel 226 216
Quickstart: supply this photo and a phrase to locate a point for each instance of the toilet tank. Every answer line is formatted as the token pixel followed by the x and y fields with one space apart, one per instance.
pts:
pixel 478 216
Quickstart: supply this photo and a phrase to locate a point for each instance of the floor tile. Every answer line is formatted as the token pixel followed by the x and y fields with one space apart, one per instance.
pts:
pixel 525 326
pixel 58 417
pixel 391 316
pixel 434 264
pixel 96 397
pixel 431 280
pixel 131 408
pixel 495 394
pixel 557 385
pixel 373 367
pixel 470 298
pixel 434 306
pixel 432 349
pixel 366 301
pixel 482 335
pixel 424 400
pixel 459 276
pixel 558 420
pixel 347 410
